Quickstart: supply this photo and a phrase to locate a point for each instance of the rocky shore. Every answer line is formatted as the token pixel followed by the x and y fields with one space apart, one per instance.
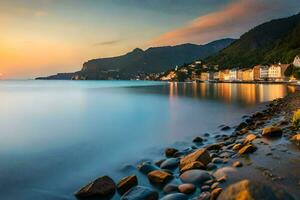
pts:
pixel 258 160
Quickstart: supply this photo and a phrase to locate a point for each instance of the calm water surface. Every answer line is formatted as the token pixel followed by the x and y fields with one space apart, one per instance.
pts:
pixel 58 135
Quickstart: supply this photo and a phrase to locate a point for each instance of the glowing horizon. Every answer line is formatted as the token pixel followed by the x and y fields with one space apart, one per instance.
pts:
pixel 44 37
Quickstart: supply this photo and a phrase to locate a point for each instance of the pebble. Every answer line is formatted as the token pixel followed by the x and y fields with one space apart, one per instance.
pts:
pixel 187 188
pixel 237 164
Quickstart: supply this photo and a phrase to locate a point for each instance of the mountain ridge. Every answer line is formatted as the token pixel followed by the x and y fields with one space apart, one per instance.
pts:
pixel 151 60
pixel 277 40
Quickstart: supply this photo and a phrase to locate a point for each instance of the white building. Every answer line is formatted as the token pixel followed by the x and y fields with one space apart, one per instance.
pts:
pixel 274 72
pixel 296 62
pixel 264 72
pixel 233 75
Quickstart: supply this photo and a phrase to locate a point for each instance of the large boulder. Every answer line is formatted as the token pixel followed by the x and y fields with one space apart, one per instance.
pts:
pixel 201 155
pixel 175 196
pixel 250 190
pixel 126 184
pixel 140 193
pixel 272 132
pixel 159 177
pixel 103 187
pixel 195 176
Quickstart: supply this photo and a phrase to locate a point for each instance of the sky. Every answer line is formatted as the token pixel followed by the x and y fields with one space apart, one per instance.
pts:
pixel 44 37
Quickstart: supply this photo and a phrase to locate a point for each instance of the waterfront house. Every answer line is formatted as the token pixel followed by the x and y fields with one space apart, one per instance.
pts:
pixel 204 76
pixel 296 62
pixel 276 72
pixel 233 75
pixel 260 72
pixel 240 75
pixel 216 76
pixel 256 72
pixel 248 75
pixel 224 75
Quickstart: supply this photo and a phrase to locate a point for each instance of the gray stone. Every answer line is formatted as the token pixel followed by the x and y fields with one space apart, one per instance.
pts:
pixel 175 196
pixel 170 163
pixel 147 167
pixel 195 176
pixel 101 187
pixel 170 188
pixel 140 193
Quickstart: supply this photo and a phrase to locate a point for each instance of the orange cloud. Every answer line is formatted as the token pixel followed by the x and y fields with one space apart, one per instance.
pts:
pixel 224 23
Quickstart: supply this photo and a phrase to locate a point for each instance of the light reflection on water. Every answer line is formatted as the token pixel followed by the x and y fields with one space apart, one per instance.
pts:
pixel 58 135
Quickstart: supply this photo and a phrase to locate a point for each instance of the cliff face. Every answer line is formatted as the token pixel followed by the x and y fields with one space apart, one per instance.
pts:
pixel 274 41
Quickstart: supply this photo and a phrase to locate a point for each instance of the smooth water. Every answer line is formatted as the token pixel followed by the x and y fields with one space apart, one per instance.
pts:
pixel 56 136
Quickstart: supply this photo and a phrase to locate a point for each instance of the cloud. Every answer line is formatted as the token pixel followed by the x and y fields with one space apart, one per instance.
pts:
pixel 40 13
pixel 231 21
pixel 110 42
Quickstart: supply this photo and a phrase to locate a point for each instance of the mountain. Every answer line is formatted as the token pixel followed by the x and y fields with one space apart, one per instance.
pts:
pixel 274 41
pixel 138 61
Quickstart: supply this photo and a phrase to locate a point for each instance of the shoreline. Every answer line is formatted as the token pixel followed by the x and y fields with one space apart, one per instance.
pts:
pixel 205 171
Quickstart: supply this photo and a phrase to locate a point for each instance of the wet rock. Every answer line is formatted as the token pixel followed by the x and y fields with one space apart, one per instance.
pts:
pixel 204 196
pixel 216 146
pixel 253 190
pixel 169 152
pixel 126 184
pixel 187 188
pixel 140 193
pixel 237 147
pixel 257 115
pixel 205 188
pixel 224 172
pixel 198 139
pixel 195 176
pixel 215 193
pixel 241 126
pixel 206 134
pixel 192 165
pixel 225 128
pixel 159 177
pixel 249 138
pixel 296 139
pixel 217 160
pixel 222 179
pixel 237 164
pixel 243 131
pixel 211 166
pixel 272 132
pixel 170 188
pixel 158 163
pixel 147 167
pixel 201 155
pixel 175 196
pixel 170 163
pixel 214 185
pixel 103 187
pixel 249 148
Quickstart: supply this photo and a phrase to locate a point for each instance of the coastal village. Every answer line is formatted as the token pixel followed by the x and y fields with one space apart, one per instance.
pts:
pixel 199 71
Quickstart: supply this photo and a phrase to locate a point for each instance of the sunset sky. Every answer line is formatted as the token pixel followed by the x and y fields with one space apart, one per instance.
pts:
pixel 43 37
